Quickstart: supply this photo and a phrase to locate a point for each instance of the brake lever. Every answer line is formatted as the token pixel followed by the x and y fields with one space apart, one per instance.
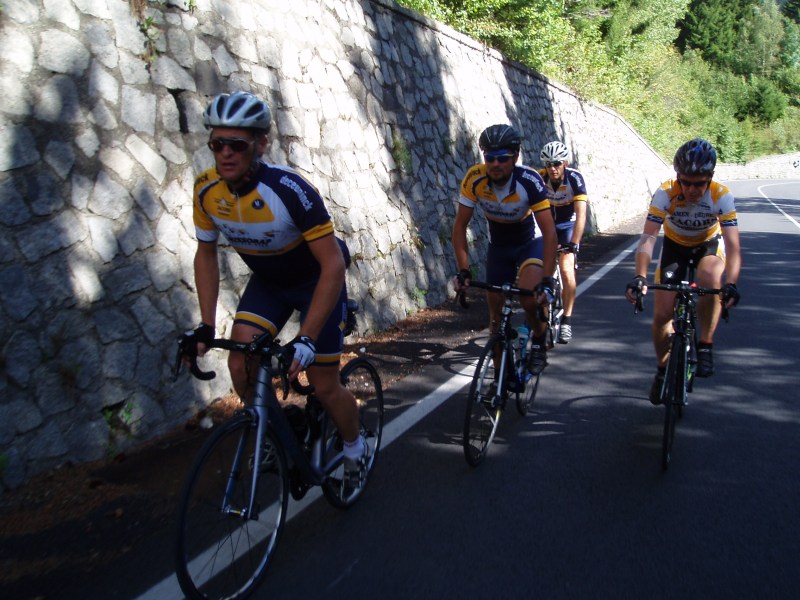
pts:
pixel 638 306
pixel 188 349
pixel 461 296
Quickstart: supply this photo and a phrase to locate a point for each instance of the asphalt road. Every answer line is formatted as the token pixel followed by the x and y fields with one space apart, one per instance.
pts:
pixel 571 501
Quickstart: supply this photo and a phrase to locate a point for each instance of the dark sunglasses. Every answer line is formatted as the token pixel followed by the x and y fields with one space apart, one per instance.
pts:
pixel 694 184
pixel 236 144
pixel 556 163
pixel 499 158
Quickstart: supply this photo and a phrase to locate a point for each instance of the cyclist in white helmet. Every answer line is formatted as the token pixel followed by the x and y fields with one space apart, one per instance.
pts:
pixel 277 222
pixel 567 191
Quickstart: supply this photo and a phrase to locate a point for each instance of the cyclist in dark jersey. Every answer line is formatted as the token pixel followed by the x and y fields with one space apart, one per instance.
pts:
pixel 567 191
pixel 699 219
pixel 277 222
pixel 514 201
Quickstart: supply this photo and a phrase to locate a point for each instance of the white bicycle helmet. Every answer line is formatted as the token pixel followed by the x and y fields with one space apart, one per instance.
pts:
pixel 554 152
pixel 239 109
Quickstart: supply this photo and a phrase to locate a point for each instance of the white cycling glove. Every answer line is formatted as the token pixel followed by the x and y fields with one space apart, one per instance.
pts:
pixel 303 350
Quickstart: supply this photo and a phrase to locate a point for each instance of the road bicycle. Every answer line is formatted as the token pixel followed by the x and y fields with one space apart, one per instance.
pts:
pixel 233 505
pixel 502 369
pixel 682 362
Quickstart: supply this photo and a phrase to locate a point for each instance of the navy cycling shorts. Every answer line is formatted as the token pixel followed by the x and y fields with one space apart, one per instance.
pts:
pixel 564 232
pixel 504 263
pixel 268 308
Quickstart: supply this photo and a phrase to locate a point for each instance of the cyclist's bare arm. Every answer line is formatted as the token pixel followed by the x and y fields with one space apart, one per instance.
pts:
pixel 644 255
pixel 328 254
pixel 546 224
pixel 206 281
pixel 580 222
pixel 733 254
pixel 459 236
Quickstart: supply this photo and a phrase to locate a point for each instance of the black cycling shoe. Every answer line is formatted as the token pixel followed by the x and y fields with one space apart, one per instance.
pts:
pixel 537 360
pixel 705 362
pixel 655 388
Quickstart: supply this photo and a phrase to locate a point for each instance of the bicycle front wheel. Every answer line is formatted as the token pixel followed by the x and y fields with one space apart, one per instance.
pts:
pixel 673 396
pixel 222 551
pixel 484 403
pixel 361 378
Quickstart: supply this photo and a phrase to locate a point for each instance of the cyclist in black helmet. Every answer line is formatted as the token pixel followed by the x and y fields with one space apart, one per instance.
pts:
pixel 699 219
pixel 514 200
pixel 277 222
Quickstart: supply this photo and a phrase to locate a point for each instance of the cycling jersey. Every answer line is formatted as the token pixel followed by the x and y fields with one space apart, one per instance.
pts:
pixel 692 223
pixel 268 222
pixel 563 199
pixel 509 212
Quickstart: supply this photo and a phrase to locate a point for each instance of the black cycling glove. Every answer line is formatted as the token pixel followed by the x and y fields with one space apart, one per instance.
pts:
pixel 637 283
pixel 204 333
pixel 729 292
pixel 545 287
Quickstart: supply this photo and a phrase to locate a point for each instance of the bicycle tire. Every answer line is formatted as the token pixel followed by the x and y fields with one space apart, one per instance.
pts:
pixel 361 377
pixel 673 396
pixel 484 406
pixel 219 553
pixel 555 312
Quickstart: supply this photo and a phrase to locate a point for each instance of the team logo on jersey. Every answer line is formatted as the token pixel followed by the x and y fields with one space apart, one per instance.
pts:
pixel 258 204
pixel 536 179
pixel 301 195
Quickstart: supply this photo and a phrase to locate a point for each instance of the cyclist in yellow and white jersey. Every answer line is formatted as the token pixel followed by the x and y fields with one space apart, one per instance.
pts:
pixel 514 201
pixel 699 219
pixel 277 222
pixel 567 191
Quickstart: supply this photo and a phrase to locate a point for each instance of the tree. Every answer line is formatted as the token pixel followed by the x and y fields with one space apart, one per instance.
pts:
pixel 711 26
pixel 791 8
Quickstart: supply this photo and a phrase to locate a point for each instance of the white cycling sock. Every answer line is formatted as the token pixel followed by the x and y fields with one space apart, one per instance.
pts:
pixel 355 448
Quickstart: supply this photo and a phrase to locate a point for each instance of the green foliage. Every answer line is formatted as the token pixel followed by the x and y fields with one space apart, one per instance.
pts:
pixel 767 103
pixel 791 8
pixel 727 70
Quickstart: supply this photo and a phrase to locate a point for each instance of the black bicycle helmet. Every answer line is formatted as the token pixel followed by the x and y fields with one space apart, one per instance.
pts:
pixel 240 110
pixel 500 137
pixel 695 157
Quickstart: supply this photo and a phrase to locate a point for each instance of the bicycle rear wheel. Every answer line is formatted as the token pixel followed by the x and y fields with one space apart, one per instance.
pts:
pixel 484 404
pixel 361 377
pixel 673 396
pixel 221 551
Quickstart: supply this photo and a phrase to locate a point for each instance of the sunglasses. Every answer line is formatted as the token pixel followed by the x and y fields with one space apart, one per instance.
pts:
pixel 236 144
pixel 498 158
pixel 555 163
pixel 694 184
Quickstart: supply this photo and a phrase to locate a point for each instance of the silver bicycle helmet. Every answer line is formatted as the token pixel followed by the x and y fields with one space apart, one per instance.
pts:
pixel 239 109
pixel 695 157
pixel 554 152
pixel 500 137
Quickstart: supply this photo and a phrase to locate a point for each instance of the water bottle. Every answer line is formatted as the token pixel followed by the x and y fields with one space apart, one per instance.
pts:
pixel 522 338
